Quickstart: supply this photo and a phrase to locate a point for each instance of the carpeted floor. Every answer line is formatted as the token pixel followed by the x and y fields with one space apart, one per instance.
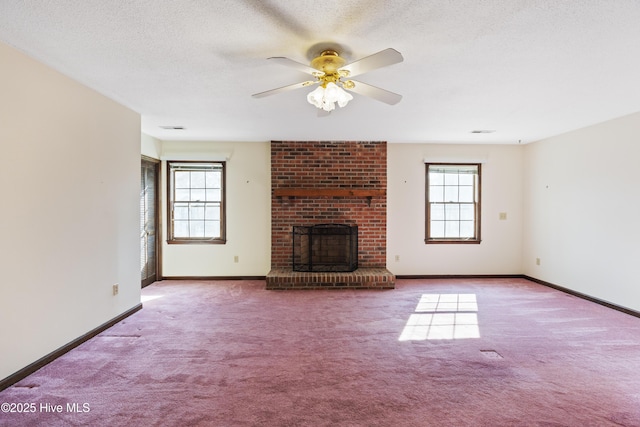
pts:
pixel 483 352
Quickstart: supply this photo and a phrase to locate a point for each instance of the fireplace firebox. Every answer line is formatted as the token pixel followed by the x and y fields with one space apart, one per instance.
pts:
pixel 325 248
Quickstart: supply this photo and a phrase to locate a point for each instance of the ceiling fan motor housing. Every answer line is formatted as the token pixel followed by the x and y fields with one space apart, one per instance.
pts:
pixel 328 62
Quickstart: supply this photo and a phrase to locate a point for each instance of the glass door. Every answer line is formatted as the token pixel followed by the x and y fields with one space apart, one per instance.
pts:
pixel 149 221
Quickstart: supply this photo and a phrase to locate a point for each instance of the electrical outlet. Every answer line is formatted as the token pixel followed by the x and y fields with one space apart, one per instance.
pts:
pixel 115 289
pixel 537 261
pixel 397 258
pixel 236 258
pixel 503 215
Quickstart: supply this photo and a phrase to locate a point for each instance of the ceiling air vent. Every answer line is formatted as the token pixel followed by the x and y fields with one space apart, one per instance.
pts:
pixel 172 127
pixel 482 131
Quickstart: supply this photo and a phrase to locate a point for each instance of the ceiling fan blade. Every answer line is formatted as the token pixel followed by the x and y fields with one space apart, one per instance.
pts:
pixel 375 93
pixel 377 60
pixel 284 89
pixel 293 64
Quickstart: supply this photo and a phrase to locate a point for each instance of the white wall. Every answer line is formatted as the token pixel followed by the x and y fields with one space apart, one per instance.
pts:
pixel 501 246
pixel 69 220
pixel 150 146
pixel 582 210
pixel 248 212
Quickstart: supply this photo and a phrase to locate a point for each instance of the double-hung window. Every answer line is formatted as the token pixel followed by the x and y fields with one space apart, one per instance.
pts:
pixel 453 203
pixel 196 202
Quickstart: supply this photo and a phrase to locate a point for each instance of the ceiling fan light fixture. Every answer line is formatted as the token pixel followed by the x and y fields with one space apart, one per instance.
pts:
pixel 326 96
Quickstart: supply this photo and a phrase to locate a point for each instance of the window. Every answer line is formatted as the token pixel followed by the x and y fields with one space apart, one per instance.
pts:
pixel 453 203
pixel 196 202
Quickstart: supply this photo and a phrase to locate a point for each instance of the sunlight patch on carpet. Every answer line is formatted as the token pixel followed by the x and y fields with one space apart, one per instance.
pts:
pixel 145 298
pixel 443 317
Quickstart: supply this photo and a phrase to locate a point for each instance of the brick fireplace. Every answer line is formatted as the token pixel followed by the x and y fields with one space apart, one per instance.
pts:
pixel 329 182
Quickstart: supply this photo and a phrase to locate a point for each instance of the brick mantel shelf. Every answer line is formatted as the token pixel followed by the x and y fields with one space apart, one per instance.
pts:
pixel 329 192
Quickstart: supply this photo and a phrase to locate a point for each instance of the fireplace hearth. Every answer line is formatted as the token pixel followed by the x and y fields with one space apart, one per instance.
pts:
pixel 325 248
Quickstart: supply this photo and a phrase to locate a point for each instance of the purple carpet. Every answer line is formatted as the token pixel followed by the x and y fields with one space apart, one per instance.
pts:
pixel 481 352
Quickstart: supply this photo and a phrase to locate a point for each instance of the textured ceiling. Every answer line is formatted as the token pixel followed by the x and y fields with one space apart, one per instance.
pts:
pixel 527 69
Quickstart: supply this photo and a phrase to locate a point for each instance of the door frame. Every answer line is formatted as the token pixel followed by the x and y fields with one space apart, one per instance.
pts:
pixel 158 226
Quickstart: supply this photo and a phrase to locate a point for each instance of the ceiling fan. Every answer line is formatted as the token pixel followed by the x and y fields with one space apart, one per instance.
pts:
pixel 334 78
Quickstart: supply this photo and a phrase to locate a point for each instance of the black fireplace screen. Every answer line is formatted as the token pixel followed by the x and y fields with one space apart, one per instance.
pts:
pixel 325 247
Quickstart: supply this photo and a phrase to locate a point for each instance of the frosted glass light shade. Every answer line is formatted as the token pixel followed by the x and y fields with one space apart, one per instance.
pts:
pixel 326 97
pixel 315 97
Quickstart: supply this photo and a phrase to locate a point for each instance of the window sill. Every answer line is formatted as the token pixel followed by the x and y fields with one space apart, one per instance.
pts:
pixel 197 242
pixel 452 241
